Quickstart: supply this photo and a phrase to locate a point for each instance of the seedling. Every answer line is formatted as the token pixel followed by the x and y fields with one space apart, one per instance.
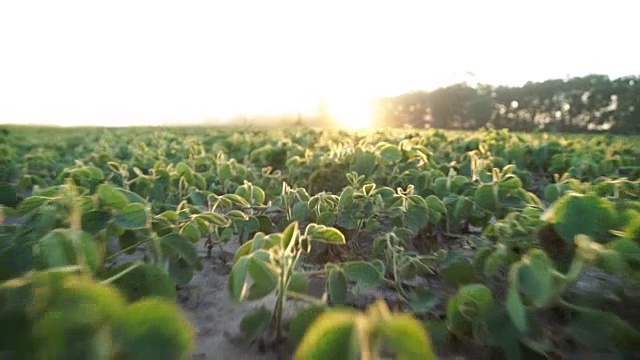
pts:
pixel 350 335
pixel 266 264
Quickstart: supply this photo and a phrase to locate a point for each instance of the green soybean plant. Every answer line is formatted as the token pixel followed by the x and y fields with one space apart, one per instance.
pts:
pixel 265 264
pixel 349 335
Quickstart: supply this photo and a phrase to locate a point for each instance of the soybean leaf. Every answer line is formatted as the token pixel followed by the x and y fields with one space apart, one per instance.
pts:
pixel 181 272
pixel 183 248
pixel 109 196
pixel 144 281
pixel 324 234
pixel 301 322
pixel 191 232
pixel 575 214
pixel 214 219
pixel 255 323
pixel 364 273
pixel 328 337
pixel 289 234
pixel 298 283
pixel 390 153
pixel 131 196
pixel 153 329
pixel 516 309
pixel 337 286
pixel 264 278
pixel 237 279
pixel 407 337
pixel 95 220
pixel 133 216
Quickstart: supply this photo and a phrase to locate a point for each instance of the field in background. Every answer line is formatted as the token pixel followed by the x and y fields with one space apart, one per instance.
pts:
pixel 494 244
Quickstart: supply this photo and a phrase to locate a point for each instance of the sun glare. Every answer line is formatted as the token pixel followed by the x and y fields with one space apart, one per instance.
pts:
pixel 351 113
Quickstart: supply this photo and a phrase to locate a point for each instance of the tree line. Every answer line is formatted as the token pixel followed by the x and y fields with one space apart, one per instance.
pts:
pixel 579 104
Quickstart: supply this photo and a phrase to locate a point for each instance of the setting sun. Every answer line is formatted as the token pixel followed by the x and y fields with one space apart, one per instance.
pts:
pixel 351 113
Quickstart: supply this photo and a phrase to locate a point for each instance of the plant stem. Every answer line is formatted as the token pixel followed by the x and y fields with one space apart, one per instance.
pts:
pixel 113 256
pixel 121 274
pixel 307 298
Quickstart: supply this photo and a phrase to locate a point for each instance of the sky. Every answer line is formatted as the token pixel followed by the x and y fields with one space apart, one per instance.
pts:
pixel 121 63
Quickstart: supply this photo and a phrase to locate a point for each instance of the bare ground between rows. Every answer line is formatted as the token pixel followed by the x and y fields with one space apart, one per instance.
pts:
pixel 216 317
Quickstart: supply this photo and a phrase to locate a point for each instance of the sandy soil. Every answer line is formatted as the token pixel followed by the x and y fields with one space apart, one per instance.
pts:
pixel 215 316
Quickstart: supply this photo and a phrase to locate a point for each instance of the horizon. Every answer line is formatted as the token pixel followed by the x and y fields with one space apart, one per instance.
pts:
pixel 142 63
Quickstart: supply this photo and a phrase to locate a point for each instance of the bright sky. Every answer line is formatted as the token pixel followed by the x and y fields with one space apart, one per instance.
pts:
pixel 145 62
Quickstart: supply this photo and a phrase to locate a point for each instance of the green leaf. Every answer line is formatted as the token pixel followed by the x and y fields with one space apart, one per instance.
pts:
pixel 390 153
pixel 324 234
pixel 379 265
pixel 458 274
pixel 16 259
pixel 225 172
pixel 153 329
pixel 133 216
pixel 495 259
pixel 611 262
pixel 577 214
pixel 603 331
pixel 245 249
pixel 534 277
pixel 300 211
pixel 191 232
pixel 110 197
pixel 337 286
pixel 330 336
pixel 435 204
pixel 511 183
pixel 255 323
pixel 180 271
pixel 183 248
pixel 289 234
pixel 131 196
pixel 364 162
pixel 298 283
pixel 31 203
pixel 502 332
pixel 424 301
pixel 265 224
pixel 95 220
pixel 416 217
pixel 485 197
pixel 214 219
pixel 346 198
pixel 63 247
pixel 364 273
pixel 516 309
pixel 301 322
pixel 182 169
pixel 170 215
pixel 440 187
pixel 367 189
pixel 126 240
pixel 143 281
pixel 8 195
pixel 237 279
pixel 327 218
pixel 470 305
pixel 251 193
pixel 236 200
pixel 67 303
pixel 628 249
pixel 407 337
pixel 265 280
pixel 237 215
